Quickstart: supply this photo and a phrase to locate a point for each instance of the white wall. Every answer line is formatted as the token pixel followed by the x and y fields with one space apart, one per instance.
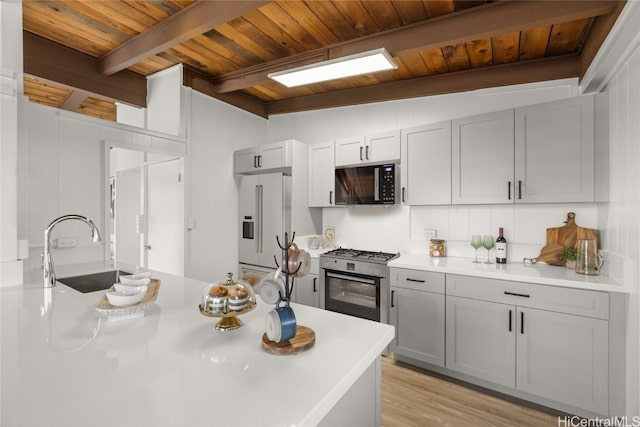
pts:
pixel 11 88
pixel 64 160
pixel 216 131
pixel 621 216
pixel 525 226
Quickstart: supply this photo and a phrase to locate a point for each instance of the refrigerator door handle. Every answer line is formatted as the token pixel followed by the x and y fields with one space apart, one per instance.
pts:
pixel 259 218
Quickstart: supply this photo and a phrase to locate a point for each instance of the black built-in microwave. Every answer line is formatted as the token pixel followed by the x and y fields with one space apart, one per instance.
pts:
pixel 367 185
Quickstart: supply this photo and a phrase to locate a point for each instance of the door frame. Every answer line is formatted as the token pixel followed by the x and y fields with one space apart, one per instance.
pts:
pixel 108 195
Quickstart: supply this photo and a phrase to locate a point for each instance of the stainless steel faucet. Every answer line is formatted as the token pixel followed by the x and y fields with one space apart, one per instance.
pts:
pixel 47 260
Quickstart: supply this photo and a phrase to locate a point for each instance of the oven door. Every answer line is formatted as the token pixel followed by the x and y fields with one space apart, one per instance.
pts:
pixel 352 294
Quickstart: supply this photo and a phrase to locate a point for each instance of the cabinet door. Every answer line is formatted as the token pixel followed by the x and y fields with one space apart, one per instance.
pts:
pixel 321 174
pixel 273 156
pixel 382 147
pixel 482 159
pixel 564 358
pixel 350 151
pixel 554 151
pixel 306 290
pixel 426 164
pixel 419 321
pixel 481 340
pixel 245 161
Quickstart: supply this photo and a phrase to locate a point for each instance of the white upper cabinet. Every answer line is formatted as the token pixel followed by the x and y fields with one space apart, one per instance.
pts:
pixel 541 153
pixel 554 151
pixel 376 148
pixel 321 175
pixel 264 158
pixel 482 159
pixel 426 164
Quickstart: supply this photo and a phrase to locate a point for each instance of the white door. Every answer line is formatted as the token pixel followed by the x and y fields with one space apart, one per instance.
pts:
pixel 480 339
pixel 165 217
pixel 419 319
pixel 564 358
pixel 382 147
pixel 128 208
pixel 482 159
pixel 321 174
pixel 554 151
pixel 426 164
pixel 349 151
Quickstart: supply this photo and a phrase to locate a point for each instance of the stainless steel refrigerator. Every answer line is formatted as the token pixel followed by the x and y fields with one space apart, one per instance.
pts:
pixel 265 212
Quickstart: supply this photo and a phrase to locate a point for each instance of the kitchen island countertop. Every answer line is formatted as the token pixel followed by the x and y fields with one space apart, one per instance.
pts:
pixel 63 364
pixel 542 274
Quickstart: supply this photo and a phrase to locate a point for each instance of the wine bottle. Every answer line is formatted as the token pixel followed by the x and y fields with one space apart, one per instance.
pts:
pixel 501 247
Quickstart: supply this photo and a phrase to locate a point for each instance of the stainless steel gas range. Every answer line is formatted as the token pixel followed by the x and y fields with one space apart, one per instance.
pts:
pixel 356 282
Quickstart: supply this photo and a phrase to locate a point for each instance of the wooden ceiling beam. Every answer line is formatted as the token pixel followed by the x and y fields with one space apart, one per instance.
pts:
pixel 480 78
pixel 75 98
pixel 481 22
pixel 472 24
pixel 190 22
pixel 201 82
pixel 52 61
pixel 599 32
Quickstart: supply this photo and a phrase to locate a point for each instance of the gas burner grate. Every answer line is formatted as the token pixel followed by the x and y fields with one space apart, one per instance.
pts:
pixel 379 257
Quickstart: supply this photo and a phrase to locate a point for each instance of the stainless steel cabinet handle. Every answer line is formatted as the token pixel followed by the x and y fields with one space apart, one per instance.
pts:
pixel 510 320
pixel 315 289
pixel 403 194
pixel 259 161
pixel 409 279
pixel 330 197
pixel 366 152
pixel 509 190
pixel 522 322
pixel 515 294
pixel 392 294
pixel 361 154
pixel 255 162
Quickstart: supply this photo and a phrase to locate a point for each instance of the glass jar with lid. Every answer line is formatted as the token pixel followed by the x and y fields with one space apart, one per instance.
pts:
pixel 437 248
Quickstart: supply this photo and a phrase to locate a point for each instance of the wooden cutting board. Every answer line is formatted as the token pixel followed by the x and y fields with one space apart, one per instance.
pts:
pixel 559 238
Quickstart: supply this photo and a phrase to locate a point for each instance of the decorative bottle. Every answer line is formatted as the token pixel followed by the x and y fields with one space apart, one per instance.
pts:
pixel 501 247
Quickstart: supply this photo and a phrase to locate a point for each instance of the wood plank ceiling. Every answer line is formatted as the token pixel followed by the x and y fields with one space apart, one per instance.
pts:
pixel 83 55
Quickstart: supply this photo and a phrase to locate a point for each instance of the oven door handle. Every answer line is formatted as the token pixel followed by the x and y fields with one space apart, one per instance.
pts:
pixel 352 278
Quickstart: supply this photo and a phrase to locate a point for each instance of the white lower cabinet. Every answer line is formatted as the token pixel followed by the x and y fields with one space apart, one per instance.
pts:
pixel 564 358
pixel 545 341
pixel 306 290
pixel 480 340
pixel 418 314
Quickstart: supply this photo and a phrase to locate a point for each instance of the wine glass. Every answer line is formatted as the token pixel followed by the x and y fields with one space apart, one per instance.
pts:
pixel 476 242
pixel 487 242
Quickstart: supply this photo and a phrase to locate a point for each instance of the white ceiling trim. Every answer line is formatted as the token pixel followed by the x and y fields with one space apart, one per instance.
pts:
pixel 621 41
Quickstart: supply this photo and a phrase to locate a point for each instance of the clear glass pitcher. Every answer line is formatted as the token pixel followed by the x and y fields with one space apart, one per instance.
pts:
pixel 588 260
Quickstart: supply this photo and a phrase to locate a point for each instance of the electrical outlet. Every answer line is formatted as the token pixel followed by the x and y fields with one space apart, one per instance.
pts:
pixel 430 233
pixel 65 242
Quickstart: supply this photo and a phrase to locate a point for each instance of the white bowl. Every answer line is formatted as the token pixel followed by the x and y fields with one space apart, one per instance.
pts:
pixel 129 287
pixel 135 282
pixel 126 297
pixel 144 275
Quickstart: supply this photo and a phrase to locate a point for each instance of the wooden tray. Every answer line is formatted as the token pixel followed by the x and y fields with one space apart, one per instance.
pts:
pixel 103 305
pixel 305 339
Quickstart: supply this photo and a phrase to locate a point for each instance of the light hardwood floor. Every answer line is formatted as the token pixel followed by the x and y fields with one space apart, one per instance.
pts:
pixel 414 397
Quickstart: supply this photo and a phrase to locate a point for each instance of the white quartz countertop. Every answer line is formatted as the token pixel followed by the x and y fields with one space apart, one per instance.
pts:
pixel 71 367
pixel 516 271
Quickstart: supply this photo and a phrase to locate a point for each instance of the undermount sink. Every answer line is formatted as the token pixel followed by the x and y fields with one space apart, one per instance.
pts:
pixel 92 282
